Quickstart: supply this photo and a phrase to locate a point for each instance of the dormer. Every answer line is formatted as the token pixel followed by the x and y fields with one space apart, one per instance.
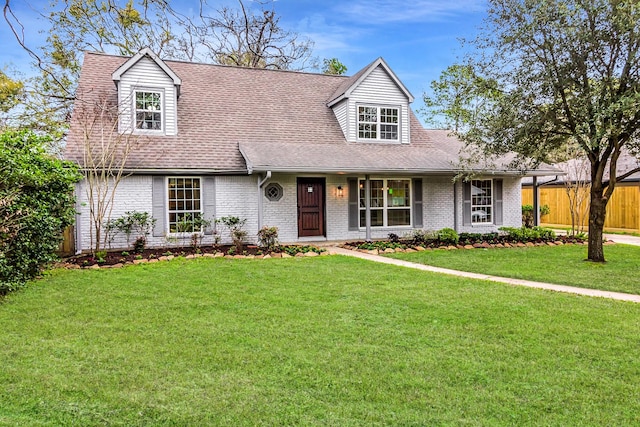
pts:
pixel 372 106
pixel 148 92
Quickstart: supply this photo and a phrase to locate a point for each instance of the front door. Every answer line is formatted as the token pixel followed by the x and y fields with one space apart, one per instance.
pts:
pixel 310 207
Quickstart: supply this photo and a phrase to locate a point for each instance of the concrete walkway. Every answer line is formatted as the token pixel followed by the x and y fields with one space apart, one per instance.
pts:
pixel 623 238
pixel 618 238
pixel 517 282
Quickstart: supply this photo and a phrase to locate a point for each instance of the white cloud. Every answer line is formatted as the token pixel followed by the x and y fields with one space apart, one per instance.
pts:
pixel 373 12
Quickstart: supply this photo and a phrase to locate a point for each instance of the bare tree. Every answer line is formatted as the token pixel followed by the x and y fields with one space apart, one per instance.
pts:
pixel 242 37
pixel 106 153
pixel 576 187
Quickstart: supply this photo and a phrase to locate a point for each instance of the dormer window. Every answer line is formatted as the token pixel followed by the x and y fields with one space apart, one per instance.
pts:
pixel 378 123
pixel 148 110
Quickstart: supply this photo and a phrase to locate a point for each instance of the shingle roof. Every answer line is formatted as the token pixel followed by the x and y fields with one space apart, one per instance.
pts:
pixel 580 170
pixel 279 120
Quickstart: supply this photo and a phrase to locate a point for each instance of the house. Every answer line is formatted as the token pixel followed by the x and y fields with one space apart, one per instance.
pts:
pixel 321 157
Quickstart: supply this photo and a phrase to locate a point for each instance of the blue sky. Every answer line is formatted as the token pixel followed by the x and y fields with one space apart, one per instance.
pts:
pixel 417 38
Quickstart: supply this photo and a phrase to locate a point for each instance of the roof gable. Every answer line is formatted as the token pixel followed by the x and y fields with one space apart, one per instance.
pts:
pixel 349 85
pixel 146 52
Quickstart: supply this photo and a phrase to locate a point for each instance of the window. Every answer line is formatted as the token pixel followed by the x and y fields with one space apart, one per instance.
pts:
pixel 389 200
pixel 185 205
pixel 273 192
pixel 481 201
pixel 148 110
pixel 380 123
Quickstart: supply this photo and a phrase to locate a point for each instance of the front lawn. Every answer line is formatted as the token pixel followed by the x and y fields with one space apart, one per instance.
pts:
pixel 563 265
pixel 310 341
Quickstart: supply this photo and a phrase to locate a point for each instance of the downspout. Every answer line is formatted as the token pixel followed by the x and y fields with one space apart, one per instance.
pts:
pixel 261 183
pixel 78 225
pixel 367 207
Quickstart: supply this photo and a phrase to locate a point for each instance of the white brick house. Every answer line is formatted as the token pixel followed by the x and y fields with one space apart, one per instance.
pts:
pixel 320 157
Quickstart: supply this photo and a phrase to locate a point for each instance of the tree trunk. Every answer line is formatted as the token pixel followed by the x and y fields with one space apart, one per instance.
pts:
pixel 597 214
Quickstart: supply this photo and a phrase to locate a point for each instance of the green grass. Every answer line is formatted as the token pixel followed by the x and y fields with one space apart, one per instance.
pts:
pixel 563 265
pixel 323 341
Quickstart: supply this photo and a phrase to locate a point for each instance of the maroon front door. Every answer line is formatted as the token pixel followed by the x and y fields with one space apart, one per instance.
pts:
pixel 310 207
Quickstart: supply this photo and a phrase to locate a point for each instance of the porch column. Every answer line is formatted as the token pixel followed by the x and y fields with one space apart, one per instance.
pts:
pixel 536 202
pixel 367 207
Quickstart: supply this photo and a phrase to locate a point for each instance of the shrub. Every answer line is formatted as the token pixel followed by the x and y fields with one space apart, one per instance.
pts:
pixel 36 205
pixel 527 214
pixel 191 227
pixel 393 237
pixel 448 236
pixel 420 237
pixel 237 234
pixel 525 234
pixel 137 223
pixel 268 238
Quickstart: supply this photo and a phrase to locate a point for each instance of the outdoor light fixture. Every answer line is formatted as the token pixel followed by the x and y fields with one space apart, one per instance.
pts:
pixel 339 191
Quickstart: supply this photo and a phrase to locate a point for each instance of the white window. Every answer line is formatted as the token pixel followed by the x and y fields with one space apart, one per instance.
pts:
pixel 389 201
pixel 185 205
pixel 148 110
pixel 481 201
pixel 378 123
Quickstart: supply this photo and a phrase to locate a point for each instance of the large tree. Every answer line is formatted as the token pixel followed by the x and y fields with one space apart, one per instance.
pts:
pixel 569 75
pixel 456 98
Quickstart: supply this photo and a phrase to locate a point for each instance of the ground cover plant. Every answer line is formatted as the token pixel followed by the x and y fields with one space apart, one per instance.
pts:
pixel 310 341
pixel 564 265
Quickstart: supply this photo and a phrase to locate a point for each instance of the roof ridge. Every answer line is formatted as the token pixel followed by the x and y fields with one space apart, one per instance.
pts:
pixel 184 61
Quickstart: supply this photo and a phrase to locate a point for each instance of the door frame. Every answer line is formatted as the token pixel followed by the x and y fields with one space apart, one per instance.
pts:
pixel 321 182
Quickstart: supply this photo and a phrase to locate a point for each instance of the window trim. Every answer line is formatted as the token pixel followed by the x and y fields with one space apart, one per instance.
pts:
pixel 379 123
pixel 168 211
pixel 163 111
pixel 490 205
pixel 385 208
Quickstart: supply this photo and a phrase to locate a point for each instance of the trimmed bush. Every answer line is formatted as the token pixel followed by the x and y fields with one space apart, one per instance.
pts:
pixel 525 234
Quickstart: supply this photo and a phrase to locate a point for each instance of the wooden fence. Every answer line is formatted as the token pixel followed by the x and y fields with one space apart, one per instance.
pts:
pixel 68 246
pixel 623 210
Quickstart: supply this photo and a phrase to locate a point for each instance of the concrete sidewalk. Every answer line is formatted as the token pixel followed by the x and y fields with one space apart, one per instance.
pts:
pixel 517 282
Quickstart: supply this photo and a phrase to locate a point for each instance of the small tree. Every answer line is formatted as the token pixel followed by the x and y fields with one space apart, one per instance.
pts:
pixel 106 152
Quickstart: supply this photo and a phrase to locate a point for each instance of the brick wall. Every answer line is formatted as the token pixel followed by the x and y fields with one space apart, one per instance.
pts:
pixel 238 196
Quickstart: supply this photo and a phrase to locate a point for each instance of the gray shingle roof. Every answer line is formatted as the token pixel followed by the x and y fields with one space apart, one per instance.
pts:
pixel 279 120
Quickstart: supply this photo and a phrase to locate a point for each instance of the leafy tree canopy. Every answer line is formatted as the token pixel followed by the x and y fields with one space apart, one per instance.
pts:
pixel 568 74
pixel 333 66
